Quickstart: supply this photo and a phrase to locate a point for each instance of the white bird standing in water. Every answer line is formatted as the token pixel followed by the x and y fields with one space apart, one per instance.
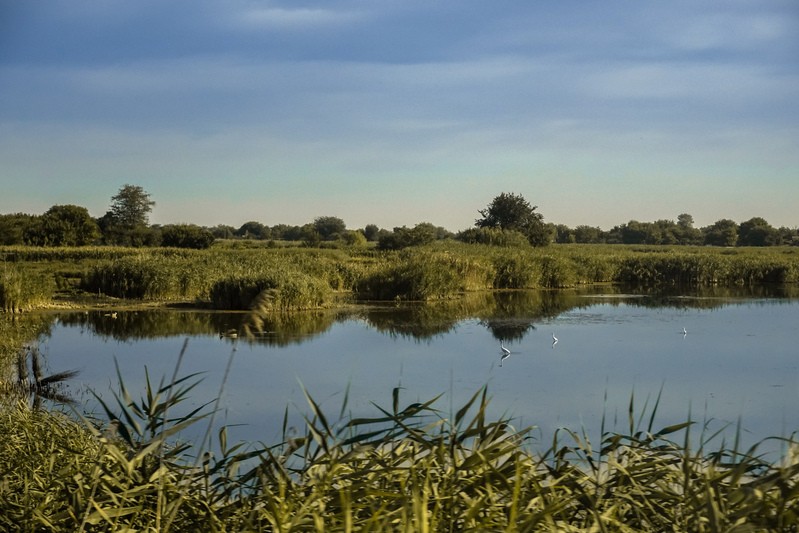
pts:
pixel 554 340
pixel 505 353
pixel 684 332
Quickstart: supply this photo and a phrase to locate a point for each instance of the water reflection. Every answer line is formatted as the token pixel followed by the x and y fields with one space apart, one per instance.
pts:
pixel 737 357
pixel 510 316
pixel 30 384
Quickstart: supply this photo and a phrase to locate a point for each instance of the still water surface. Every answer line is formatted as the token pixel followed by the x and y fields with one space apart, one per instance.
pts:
pixel 738 359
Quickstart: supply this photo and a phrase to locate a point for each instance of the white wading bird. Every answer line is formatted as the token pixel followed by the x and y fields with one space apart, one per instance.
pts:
pixel 505 353
pixel 554 340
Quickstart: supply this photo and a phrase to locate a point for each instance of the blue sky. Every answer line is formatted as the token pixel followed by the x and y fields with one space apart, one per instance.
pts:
pixel 394 112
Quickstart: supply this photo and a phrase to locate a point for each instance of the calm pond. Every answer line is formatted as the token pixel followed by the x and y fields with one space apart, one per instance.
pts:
pixel 737 359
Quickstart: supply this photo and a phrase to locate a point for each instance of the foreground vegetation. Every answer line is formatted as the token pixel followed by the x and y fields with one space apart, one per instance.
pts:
pixel 303 278
pixel 409 468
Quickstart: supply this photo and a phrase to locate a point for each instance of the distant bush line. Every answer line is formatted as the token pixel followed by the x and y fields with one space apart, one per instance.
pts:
pixel 508 221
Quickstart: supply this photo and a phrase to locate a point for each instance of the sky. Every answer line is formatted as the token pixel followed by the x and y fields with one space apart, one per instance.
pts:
pixel 396 112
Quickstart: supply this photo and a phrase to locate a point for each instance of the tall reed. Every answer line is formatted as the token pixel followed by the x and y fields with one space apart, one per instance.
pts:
pixel 409 467
pixel 270 293
pixel 424 275
pixel 20 291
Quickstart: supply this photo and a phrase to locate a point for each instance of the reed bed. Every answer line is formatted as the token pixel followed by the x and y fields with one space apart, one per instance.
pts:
pixel 423 275
pixel 707 269
pixel 268 293
pixel 227 278
pixel 410 467
pixel 439 271
pixel 20 291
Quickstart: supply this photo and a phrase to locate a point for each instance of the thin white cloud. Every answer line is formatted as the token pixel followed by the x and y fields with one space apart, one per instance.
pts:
pixel 690 81
pixel 723 31
pixel 293 19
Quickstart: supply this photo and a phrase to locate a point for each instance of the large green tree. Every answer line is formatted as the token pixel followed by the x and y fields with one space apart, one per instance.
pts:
pixel 757 232
pixel 14 227
pixel 253 230
pixel 131 206
pixel 64 225
pixel 371 232
pixel 686 232
pixel 510 211
pixel 127 221
pixel 723 232
pixel 587 234
pixel 329 228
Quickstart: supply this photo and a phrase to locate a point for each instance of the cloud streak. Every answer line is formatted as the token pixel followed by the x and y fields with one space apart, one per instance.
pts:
pixel 279 18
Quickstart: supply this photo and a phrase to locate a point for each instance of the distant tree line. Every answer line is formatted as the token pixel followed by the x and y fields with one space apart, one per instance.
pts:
pixel 753 232
pixel 509 220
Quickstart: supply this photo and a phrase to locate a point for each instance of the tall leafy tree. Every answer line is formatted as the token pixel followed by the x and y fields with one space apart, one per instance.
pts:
pixel 587 234
pixel 371 232
pixel 723 232
pixel 223 231
pixel 686 232
pixel 253 230
pixel 127 220
pixel 757 232
pixel 329 228
pixel 65 225
pixel 131 207
pixel 510 211
pixel 634 232
pixel 14 227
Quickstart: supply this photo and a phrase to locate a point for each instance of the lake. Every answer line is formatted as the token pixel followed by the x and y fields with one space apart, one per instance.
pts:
pixel 737 360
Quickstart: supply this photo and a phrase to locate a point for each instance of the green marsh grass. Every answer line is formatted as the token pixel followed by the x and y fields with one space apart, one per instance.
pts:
pixel 439 271
pixel 423 275
pixel 21 291
pixel 270 293
pixel 225 278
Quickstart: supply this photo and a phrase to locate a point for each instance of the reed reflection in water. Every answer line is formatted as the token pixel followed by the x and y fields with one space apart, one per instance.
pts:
pixel 738 359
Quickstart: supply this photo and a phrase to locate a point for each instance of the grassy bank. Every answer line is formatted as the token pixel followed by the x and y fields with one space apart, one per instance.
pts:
pixel 408 468
pixel 225 278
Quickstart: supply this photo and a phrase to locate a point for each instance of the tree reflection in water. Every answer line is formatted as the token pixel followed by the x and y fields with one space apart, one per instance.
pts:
pixel 508 315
